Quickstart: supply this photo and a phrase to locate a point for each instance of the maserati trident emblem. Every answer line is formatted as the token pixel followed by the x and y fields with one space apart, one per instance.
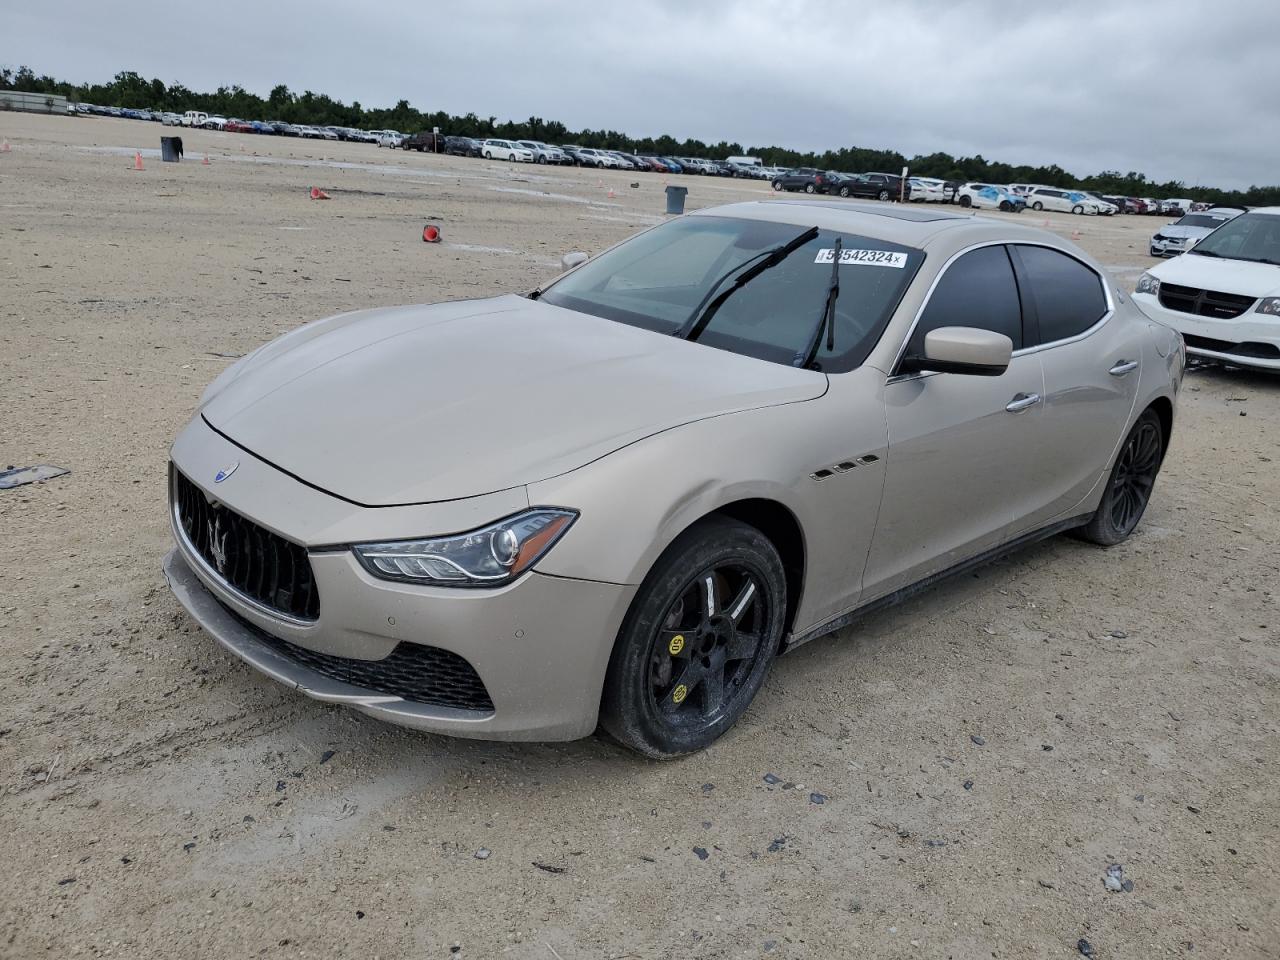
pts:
pixel 218 543
pixel 226 471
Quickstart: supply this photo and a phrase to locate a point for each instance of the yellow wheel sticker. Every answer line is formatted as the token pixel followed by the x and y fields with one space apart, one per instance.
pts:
pixel 679 694
pixel 676 644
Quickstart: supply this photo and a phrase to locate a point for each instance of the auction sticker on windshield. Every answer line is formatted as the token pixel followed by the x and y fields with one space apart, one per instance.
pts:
pixel 870 258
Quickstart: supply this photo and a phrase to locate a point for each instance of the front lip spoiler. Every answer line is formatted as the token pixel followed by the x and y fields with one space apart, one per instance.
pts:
pixel 219 623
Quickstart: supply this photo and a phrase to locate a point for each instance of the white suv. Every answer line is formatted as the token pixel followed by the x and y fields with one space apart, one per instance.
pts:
pixel 542 152
pixel 1064 201
pixel 505 150
pixel 1223 295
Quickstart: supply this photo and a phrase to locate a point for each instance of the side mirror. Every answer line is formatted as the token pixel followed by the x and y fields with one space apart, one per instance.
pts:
pixel 571 260
pixel 968 350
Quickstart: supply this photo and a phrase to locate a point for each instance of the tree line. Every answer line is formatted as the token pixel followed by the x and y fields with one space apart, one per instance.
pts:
pixel 129 89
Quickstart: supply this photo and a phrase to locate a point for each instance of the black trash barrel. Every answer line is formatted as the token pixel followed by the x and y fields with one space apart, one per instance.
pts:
pixel 675 199
pixel 170 149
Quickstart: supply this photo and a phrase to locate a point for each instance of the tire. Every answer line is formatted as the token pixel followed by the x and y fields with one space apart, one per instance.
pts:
pixel 882 195
pixel 844 191
pixel 1129 485
pixel 1037 206
pixel 966 201
pixel 542 159
pixel 1077 210
pixel 777 184
pixel 488 155
pixel 660 698
pixel 810 188
pixel 1004 205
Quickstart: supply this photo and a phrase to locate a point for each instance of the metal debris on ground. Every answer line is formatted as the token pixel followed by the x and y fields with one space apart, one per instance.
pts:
pixel 1085 947
pixel 482 854
pixel 19 476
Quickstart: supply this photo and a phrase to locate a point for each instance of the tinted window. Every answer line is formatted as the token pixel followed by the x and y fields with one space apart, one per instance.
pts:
pixel 978 290
pixel 1068 295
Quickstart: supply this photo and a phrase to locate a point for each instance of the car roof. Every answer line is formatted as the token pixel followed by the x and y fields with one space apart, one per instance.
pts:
pixel 910 226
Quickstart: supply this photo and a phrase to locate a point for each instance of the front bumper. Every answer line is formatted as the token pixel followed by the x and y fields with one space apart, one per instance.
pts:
pixel 541 650
pixel 1170 248
pixel 1249 340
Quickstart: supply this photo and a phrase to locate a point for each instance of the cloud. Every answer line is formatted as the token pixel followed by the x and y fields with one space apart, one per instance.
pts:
pixel 1181 90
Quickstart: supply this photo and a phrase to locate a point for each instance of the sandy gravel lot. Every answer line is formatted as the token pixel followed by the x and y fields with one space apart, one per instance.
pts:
pixel 158 799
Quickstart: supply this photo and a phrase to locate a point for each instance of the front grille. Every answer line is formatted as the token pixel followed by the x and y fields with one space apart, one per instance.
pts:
pixel 263 566
pixel 1203 303
pixel 1261 351
pixel 414 672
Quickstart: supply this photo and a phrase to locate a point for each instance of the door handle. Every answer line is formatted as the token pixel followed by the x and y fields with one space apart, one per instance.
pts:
pixel 1022 401
pixel 1123 367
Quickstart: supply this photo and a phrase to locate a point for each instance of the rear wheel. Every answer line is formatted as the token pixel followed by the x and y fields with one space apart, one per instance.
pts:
pixel 698 641
pixel 777 184
pixel 882 195
pixel 810 188
pixel 844 191
pixel 1129 487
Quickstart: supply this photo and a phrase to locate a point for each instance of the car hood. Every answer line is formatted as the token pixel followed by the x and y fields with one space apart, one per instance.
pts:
pixel 1225 276
pixel 428 403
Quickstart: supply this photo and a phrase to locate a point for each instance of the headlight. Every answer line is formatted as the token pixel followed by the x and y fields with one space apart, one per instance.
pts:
pixel 1148 284
pixel 1270 306
pixel 487 557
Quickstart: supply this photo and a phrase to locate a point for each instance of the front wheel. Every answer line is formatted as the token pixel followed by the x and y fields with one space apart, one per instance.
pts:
pixel 844 191
pixel 1037 206
pixel 488 155
pixel 1005 206
pixel 966 201
pixel 698 641
pixel 1077 209
pixel 810 188
pixel 1129 487
pixel 882 195
pixel 777 185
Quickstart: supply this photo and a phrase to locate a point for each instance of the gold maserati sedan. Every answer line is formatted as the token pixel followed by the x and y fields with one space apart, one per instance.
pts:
pixel 614 500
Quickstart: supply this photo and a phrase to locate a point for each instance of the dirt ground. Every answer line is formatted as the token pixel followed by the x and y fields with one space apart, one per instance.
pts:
pixel 981 753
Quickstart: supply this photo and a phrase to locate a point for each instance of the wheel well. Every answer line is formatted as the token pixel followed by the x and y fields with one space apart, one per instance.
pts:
pixel 1164 410
pixel 781 527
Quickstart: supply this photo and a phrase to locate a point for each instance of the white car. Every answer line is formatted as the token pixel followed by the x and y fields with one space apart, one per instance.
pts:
pixel 1223 295
pixel 1064 201
pixel 929 190
pixel 1105 207
pixel 505 150
pixel 988 196
pixel 1175 208
pixel 1181 235
pixel 214 123
pixel 390 138
pixel 591 157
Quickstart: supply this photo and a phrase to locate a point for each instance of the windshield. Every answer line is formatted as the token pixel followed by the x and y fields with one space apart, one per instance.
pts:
pixel 658 279
pixel 1250 236
pixel 1202 220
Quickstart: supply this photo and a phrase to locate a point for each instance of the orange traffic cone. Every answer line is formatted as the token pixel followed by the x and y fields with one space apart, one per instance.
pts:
pixel 4 147
pixel 137 160
pixel 1075 234
pixel 612 195
pixel 318 194
pixel 205 161
pixel 430 234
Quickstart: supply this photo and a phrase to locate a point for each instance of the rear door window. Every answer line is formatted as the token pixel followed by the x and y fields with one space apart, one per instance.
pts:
pixel 1068 296
pixel 977 290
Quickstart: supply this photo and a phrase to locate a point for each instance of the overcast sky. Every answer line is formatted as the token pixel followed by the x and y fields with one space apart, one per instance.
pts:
pixel 1183 89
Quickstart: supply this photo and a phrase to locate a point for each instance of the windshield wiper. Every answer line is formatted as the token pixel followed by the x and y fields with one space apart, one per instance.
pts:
pixel 704 312
pixel 805 359
pixel 1203 253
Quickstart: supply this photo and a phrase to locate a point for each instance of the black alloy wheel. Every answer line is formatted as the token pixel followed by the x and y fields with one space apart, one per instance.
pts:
pixel 1130 484
pixel 699 640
